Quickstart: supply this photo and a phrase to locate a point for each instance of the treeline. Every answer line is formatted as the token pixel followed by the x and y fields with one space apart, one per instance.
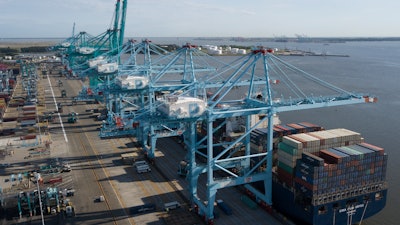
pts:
pixel 15 51
pixel 35 49
pixel 8 51
pixel 169 47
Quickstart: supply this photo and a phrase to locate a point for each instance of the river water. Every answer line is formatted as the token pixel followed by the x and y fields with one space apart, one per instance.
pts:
pixel 373 68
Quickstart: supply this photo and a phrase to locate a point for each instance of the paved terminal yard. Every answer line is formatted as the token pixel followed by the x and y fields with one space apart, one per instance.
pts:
pixel 98 170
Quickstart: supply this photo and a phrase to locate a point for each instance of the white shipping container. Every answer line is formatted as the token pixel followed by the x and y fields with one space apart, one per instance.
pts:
pixel 347 135
pixel 292 142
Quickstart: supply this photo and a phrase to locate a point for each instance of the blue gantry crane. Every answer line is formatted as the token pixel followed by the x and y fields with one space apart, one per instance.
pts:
pixel 78 49
pixel 107 71
pixel 138 86
pixel 229 99
pixel 215 106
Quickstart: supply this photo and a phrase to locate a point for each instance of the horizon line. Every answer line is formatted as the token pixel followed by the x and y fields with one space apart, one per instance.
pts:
pixel 239 37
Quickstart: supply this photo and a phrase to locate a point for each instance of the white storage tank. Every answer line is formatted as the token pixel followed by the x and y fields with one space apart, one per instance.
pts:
pixel 234 50
pixel 107 68
pixel 132 82
pixel 182 107
pixel 242 51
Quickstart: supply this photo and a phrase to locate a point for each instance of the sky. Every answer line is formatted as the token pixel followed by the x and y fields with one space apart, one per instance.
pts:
pixel 203 18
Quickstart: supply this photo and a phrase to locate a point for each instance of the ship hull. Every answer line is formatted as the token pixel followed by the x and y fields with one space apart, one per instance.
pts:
pixel 346 211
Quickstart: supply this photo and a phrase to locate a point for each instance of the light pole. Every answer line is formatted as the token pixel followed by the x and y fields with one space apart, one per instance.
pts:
pixel 40 198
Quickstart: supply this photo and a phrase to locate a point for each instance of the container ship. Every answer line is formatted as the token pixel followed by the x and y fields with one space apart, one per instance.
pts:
pixel 324 177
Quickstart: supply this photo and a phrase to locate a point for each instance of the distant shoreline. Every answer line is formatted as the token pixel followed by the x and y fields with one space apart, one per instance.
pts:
pixel 301 39
pixel 19 45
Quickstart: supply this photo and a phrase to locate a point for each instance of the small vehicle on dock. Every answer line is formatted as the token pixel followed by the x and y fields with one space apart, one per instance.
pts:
pixel 100 199
pixel 72 117
pixel 171 205
pixel 142 167
pixel 149 207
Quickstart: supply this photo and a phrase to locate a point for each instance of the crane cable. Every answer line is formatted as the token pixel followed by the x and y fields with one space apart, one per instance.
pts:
pixel 312 77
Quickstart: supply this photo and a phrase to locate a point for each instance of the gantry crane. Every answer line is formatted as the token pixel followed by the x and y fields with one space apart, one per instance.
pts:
pixel 140 85
pixel 82 47
pixel 185 69
pixel 110 81
pixel 259 100
pixel 227 161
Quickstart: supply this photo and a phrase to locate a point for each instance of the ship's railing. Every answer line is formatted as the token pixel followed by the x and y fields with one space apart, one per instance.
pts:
pixel 319 199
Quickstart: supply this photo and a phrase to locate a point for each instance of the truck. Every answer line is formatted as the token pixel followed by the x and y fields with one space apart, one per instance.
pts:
pixel 52 180
pixel 129 158
pixel 183 168
pixel 149 207
pixel 171 205
pixel 72 117
pixel 66 168
pixel 142 166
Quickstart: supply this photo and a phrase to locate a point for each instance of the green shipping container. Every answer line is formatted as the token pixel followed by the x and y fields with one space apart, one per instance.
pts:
pixel 286 167
pixel 288 149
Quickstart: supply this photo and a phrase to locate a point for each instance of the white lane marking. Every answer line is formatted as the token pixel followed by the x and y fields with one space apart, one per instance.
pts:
pixel 59 115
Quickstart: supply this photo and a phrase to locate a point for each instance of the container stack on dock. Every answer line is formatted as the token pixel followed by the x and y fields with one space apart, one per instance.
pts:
pixel 19 106
pixel 3 106
pixel 27 115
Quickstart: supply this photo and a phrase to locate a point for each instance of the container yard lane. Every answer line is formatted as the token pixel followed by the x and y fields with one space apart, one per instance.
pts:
pixel 108 189
pixel 99 171
pixel 93 180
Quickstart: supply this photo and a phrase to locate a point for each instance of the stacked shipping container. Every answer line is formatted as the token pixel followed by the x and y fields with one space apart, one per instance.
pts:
pixel 330 165
pixel 15 110
pixel 3 106
pixel 327 176
pixel 292 146
pixel 27 115
pixel 289 154
pixel 258 137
